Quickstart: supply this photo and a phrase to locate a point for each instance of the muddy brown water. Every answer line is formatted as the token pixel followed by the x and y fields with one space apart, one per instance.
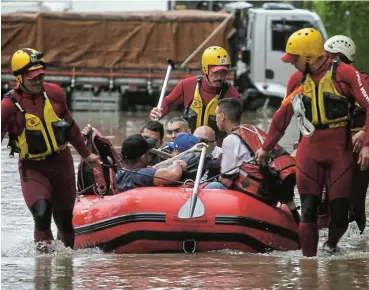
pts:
pixel 22 268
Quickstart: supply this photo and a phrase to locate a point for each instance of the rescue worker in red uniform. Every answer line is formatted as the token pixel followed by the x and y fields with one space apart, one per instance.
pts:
pixel 200 94
pixel 39 125
pixel 344 48
pixel 324 158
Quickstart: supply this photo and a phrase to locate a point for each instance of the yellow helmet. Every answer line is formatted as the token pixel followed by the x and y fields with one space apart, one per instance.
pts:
pixel 216 56
pixel 25 60
pixel 308 43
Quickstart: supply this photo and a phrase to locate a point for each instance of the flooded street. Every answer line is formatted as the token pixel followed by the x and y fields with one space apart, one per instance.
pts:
pixel 22 268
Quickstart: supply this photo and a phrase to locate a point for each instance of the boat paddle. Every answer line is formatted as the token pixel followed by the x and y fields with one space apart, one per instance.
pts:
pixel 194 207
pixel 165 84
pixel 160 153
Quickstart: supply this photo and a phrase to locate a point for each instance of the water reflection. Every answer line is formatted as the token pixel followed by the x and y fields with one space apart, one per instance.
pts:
pixel 53 272
pixel 199 271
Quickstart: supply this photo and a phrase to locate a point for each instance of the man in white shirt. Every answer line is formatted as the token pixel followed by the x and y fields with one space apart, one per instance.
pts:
pixel 234 152
pixel 271 182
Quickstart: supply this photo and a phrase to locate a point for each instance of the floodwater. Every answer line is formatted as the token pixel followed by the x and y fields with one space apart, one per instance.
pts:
pixel 22 268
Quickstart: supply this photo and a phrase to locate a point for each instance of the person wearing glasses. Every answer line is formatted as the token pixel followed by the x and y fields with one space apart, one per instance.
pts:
pixel 206 135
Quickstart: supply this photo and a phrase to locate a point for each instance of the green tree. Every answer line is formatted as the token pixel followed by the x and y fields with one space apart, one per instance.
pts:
pixel 350 18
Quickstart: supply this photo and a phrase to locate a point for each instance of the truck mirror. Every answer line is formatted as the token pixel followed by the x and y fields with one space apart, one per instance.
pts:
pixel 246 57
pixel 237 6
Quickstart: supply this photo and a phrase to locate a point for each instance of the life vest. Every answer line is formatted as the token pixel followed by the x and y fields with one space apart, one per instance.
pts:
pixel 101 176
pixel 270 183
pixel 39 139
pixel 197 114
pixel 325 106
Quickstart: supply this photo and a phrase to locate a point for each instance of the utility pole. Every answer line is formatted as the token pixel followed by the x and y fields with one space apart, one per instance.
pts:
pixel 211 5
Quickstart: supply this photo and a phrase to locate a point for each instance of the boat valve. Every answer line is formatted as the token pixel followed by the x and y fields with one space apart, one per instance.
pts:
pixel 189 246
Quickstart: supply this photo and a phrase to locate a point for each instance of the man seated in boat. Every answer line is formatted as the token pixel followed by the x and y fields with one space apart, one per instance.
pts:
pixel 182 143
pixel 206 135
pixel 183 148
pixel 150 129
pixel 176 125
pixel 134 172
pixel 187 147
pixel 154 130
pixel 271 182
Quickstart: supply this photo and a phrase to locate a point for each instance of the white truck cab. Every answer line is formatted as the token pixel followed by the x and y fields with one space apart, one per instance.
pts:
pixel 268 29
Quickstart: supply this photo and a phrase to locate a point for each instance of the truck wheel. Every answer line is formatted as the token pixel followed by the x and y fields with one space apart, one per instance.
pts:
pixel 257 105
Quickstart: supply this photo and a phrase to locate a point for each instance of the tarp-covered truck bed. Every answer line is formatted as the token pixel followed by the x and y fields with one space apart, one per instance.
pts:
pixel 139 40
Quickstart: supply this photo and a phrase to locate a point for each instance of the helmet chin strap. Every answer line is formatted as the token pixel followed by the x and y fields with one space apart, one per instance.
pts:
pixel 306 72
pixel 207 79
pixel 26 90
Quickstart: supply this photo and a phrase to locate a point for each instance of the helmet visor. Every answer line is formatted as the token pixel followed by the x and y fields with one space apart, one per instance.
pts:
pixel 34 73
pixel 215 68
pixel 289 58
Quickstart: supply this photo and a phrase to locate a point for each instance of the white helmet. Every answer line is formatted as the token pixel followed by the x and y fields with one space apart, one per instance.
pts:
pixel 341 44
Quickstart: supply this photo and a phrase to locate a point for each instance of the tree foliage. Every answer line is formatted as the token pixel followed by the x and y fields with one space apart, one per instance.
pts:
pixel 350 18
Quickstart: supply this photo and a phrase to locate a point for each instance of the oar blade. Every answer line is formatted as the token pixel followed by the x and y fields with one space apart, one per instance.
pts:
pixel 186 212
pixel 194 207
pixel 199 209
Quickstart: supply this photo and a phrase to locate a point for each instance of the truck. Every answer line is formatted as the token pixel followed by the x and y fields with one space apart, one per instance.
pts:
pixel 115 61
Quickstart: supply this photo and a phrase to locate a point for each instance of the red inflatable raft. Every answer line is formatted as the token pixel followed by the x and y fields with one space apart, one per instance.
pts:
pixel 145 220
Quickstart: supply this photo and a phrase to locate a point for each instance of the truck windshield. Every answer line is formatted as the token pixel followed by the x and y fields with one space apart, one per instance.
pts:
pixel 282 29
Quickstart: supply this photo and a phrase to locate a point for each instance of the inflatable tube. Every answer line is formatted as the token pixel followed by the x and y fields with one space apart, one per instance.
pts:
pixel 145 220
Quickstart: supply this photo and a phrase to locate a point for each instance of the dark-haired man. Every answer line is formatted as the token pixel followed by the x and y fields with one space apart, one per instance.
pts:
pixel 239 171
pixel 154 130
pixel 228 118
pixel 177 125
pixel 199 95
pixel 134 154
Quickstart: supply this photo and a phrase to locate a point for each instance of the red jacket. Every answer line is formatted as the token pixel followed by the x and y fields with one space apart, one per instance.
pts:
pixel 348 82
pixel 13 122
pixel 184 92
